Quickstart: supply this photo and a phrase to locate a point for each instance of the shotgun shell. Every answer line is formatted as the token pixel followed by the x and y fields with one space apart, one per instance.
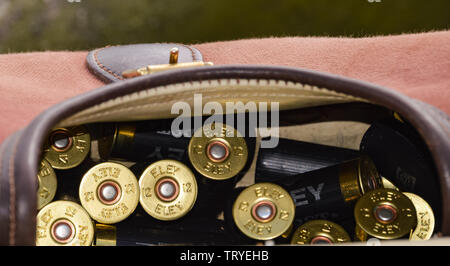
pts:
pixel 330 193
pixel 145 141
pixel 388 184
pixel 319 232
pixel 64 223
pixel 404 158
pixel 425 218
pixel 105 235
pixel 47 184
pixel 67 147
pixel 109 192
pixel 292 157
pixel 168 190
pixel 357 177
pixel 263 211
pixel 218 151
pixel 384 214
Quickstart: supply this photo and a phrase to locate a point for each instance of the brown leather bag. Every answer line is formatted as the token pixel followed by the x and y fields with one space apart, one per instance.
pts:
pixel 305 97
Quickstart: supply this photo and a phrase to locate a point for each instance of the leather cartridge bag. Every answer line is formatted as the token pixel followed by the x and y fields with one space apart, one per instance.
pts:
pixel 304 97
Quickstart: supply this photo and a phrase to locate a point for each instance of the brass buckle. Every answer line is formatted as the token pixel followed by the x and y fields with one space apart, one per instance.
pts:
pixel 173 64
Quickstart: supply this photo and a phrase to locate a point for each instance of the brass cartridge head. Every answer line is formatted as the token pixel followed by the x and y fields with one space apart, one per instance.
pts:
pixel 385 214
pixel 263 211
pixel 47 184
pixel 218 151
pixel 425 218
pixel 388 184
pixel 109 192
pixel 66 148
pixel 105 235
pixel 168 190
pixel 319 232
pixel 64 223
pixel 357 177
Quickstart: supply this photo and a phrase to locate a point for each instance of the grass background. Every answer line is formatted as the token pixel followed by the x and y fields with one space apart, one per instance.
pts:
pixel 35 25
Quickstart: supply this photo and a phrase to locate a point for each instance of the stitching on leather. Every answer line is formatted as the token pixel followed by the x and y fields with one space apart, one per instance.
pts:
pixel 131 108
pixel 194 57
pixel 104 68
pixel 12 196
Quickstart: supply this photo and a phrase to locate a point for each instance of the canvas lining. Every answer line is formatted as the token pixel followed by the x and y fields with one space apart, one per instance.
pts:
pixel 156 103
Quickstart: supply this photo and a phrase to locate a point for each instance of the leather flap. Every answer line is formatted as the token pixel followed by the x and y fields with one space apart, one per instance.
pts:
pixel 108 63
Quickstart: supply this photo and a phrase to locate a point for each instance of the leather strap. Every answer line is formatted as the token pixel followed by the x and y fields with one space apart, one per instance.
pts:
pixel 108 63
pixel 17 195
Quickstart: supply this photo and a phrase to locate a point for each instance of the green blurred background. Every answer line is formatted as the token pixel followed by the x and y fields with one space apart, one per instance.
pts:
pixel 34 25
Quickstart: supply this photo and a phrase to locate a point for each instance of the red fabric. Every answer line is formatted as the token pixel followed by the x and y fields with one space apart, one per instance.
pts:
pixel 32 82
pixel 415 64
